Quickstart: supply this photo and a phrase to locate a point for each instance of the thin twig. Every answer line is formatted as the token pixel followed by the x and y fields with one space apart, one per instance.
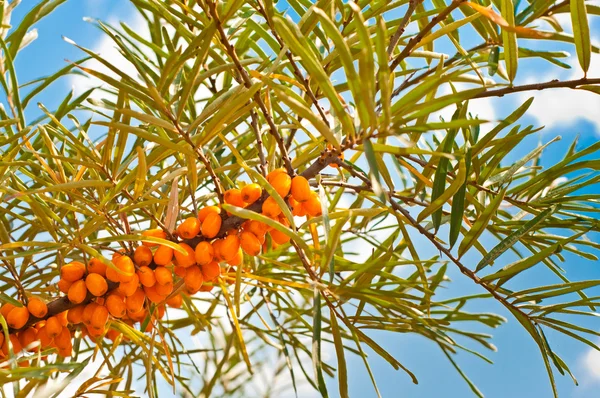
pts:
pixel 412 5
pixel 538 86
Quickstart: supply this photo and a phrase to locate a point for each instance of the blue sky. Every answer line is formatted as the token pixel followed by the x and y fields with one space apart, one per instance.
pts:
pixel 518 370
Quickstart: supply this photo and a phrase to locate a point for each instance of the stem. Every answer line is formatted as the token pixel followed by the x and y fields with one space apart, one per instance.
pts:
pixel 538 86
pixel 412 5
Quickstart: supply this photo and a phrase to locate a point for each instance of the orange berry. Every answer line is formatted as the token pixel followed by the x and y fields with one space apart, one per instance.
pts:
pixel 250 243
pixel 217 244
pixel 229 247
pixel 175 301
pixel 179 271
pixel 156 233
pixel 17 317
pixel 163 276
pixel 211 271
pixel 62 318
pixel 251 193
pixel 153 295
pixel 128 288
pixel 27 338
pixel 96 266
pixel 135 302
pixel 116 305
pixel 88 311
pixel 211 225
pixel 163 255
pixel 204 253
pixel 164 289
pixel 189 258
pixel 282 184
pixel 112 334
pixel 189 228
pixel 112 274
pixel 72 272
pixel 300 189
pixel 297 208
pixel 233 197
pixel 257 228
pixel 53 327
pixel 146 276
pixel 279 237
pixel 66 351
pixel 75 314
pixel 63 340
pixel 142 256
pixel 99 317
pixel 6 308
pixel 237 259
pixel 313 206
pixel 16 345
pixel 161 311
pixel 77 292
pixel 193 278
pixel 270 208
pixel 96 284
pixel 37 307
pixel 205 211
pixel 42 335
pixel 125 265
pixel 274 174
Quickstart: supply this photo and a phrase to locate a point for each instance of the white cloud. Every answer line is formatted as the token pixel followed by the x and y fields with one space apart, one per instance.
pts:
pixel 591 364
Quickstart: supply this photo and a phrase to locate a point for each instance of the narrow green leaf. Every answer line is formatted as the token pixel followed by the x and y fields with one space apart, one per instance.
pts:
pixel 316 343
pixel 581 33
pixel 458 204
pixel 509 40
pixel 341 359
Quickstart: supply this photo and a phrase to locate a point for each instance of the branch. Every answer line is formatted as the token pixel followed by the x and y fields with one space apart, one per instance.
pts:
pixel 412 5
pixel 538 86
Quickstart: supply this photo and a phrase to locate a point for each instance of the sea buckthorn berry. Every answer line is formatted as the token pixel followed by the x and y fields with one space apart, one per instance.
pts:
pixel 297 208
pixel 99 317
pixel 251 193
pixel 179 271
pixel 27 338
pixel 164 290
pixel 77 292
pixel 211 225
pixel 72 272
pixel 146 276
pixel 175 301
pixel 135 302
pixel 237 259
pixel 257 228
pixel 250 243
pixel 313 206
pixel 37 307
pixel 17 317
pixel 160 311
pixel 233 197
pixel 125 265
pixel 210 272
pixel 279 237
pixel 153 295
pixel 16 345
pixel 63 340
pixel 205 211
pixel 96 266
pixel 274 174
pixel 112 274
pixel 189 228
pixel 42 335
pixel 204 253
pixel 282 184
pixel 142 256
pixel 116 305
pixel 270 208
pixel 155 233
pixel 217 244
pixel 229 247
pixel 163 276
pixel 300 189
pixel 64 285
pixel 75 314
pixel 88 311
pixel 128 288
pixel 187 259
pixel 112 334
pixel 65 352
pixel 96 284
pixel 163 255
pixel 6 308
pixel 53 327
pixel 193 279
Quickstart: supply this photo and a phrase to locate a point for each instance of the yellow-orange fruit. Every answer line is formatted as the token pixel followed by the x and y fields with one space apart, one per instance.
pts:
pixel 164 289
pixel 156 233
pixel 63 340
pixel 112 334
pixel 189 228
pixel 17 317
pixel 99 317
pixel 187 259
pixel 62 318
pixel 142 256
pixel 217 244
pixel 257 228
pixel 53 327
pixel 65 351
pixel 64 285
pixel 135 302
pixel 88 311
pixel 75 314
pixel 270 208
pixel 27 338
pixel 229 247
pixel 77 292
pixel 251 193
pixel 179 271
pixel 163 255
pixel 205 211
pixel 313 206
pixel 96 284
pixel 160 311
pixel 250 243
pixel 211 225
pixel 233 197
pixel 146 276
pixel 175 301
pixel 96 266
pixel 37 307
pixel 274 174
pixel 153 295
pixel 72 272
pixel 6 308
pixel 136 316
pixel 297 208
pixel 193 278
pixel 16 345
pixel 128 288
pixel 279 237
pixel 116 305
pixel 42 336
pixel 282 184
pixel 210 272
pixel 204 253
pixel 163 276
pixel 125 265
pixel 300 189
pixel 112 274
pixel 237 259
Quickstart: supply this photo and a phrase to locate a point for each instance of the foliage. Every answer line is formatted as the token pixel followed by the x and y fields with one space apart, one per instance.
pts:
pixel 224 93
